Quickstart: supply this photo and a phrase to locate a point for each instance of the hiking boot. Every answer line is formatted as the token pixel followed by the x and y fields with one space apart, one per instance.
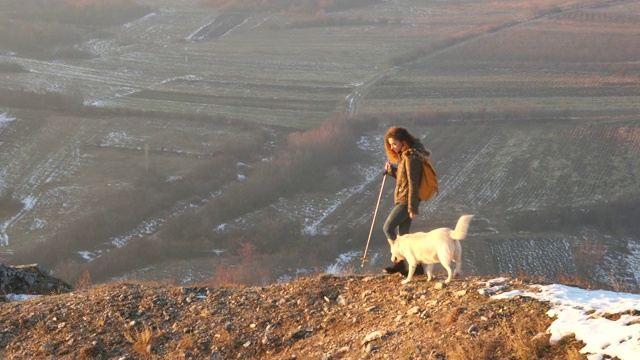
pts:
pixel 395 268
pixel 402 268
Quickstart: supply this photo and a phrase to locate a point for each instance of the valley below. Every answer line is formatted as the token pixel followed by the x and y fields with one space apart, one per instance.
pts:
pixel 201 144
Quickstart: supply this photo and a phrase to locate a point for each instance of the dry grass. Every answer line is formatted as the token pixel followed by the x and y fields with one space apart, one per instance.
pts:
pixel 142 340
pixel 301 319
pixel 515 334
pixel 84 282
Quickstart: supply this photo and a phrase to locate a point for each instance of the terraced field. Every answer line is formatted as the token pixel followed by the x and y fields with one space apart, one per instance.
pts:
pixel 527 107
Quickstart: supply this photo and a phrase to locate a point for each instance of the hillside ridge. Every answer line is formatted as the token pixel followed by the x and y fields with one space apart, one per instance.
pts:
pixel 321 317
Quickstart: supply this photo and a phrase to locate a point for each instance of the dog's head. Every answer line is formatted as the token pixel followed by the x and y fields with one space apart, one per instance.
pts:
pixel 396 256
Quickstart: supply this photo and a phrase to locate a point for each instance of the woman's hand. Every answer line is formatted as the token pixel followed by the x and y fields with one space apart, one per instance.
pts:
pixel 412 215
pixel 387 167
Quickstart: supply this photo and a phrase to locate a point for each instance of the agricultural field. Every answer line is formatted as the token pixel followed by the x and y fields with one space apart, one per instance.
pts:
pixel 192 141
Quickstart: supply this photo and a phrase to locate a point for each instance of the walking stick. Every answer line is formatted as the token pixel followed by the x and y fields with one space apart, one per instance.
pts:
pixel 364 257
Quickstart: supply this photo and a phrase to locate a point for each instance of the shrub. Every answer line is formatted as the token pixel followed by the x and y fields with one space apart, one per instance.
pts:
pixel 142 340
pixel 303 160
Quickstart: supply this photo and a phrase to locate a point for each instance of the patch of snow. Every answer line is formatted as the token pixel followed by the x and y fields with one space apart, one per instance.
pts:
pixel 19 297
pixel 298 273
pixel 146 228
pixel 130 24
pixel 121 139
pixel 319 215
pixel 5 119
pixel 235 27
pixel 150 226
pixel 372 146
pixel 38 224
pixel 343 259
pixel 183 77
pixel 584 313
pixel 87 255
pixel 191 37
pixel 29 202
pixel 260 23
pixel 634 258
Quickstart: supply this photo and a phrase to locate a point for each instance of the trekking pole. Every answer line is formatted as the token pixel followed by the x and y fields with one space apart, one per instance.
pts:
pixel 364 257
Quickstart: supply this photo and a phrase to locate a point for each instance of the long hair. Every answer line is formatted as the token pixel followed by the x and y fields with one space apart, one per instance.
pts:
pixel 400 134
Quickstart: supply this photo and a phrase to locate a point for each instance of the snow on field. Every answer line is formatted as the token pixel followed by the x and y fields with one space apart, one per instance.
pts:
pixel 146 17
pixel 120 139
pixel 317 213
pixel 634 258
pixel 147 227
pixel 5 118
pixel 29 202
pixel 339 267
pixel 607 322
pixel 19 297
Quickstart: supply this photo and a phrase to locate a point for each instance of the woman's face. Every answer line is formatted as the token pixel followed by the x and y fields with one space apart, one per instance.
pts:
pixel 396 145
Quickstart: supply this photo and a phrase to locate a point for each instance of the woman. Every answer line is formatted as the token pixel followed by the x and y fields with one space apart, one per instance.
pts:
pixel 406 154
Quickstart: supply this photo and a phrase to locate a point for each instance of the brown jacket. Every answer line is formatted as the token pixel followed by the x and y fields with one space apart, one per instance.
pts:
pixel 408 174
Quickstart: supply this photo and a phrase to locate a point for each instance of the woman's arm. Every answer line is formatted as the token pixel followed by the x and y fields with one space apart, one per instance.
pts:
pixel 390 169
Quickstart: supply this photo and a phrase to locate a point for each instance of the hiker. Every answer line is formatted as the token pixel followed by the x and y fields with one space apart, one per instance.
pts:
pixel 405 154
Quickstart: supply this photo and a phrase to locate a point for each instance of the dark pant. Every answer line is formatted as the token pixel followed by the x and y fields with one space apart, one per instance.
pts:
pixel 398 218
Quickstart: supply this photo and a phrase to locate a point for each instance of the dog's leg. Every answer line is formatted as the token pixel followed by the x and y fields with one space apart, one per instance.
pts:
pixel 447 266
pixel 458 270
pixel 430 271
pixel 458 259
pixel 412 269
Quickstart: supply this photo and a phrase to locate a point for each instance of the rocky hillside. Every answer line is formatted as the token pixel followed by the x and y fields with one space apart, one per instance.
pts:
pixel 28 280
pixel 321 317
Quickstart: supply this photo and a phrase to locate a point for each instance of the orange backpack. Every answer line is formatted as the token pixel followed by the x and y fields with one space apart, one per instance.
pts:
pixel 429 181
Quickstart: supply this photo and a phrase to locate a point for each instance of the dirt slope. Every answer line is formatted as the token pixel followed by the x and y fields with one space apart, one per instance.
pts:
pixel 323 317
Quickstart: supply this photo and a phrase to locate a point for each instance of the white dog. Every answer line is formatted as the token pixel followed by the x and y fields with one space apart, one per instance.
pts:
pixel 440 245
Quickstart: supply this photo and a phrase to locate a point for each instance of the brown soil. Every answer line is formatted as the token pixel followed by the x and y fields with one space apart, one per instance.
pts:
pixel 322 317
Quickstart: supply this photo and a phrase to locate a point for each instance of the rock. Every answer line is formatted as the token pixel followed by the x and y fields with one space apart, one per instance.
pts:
pixel 461 293
pixel 341 300
pixel 540 338
pixel 414 310
pixel 374 336
pixel 29 279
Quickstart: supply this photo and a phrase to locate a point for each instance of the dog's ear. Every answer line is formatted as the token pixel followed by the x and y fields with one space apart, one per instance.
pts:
pixel 391 242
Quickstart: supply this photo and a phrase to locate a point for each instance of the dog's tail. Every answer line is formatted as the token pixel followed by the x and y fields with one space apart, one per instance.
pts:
pixel 461 227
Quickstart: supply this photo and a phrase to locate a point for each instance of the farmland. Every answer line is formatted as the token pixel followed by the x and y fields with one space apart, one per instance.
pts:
pixel 120 161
